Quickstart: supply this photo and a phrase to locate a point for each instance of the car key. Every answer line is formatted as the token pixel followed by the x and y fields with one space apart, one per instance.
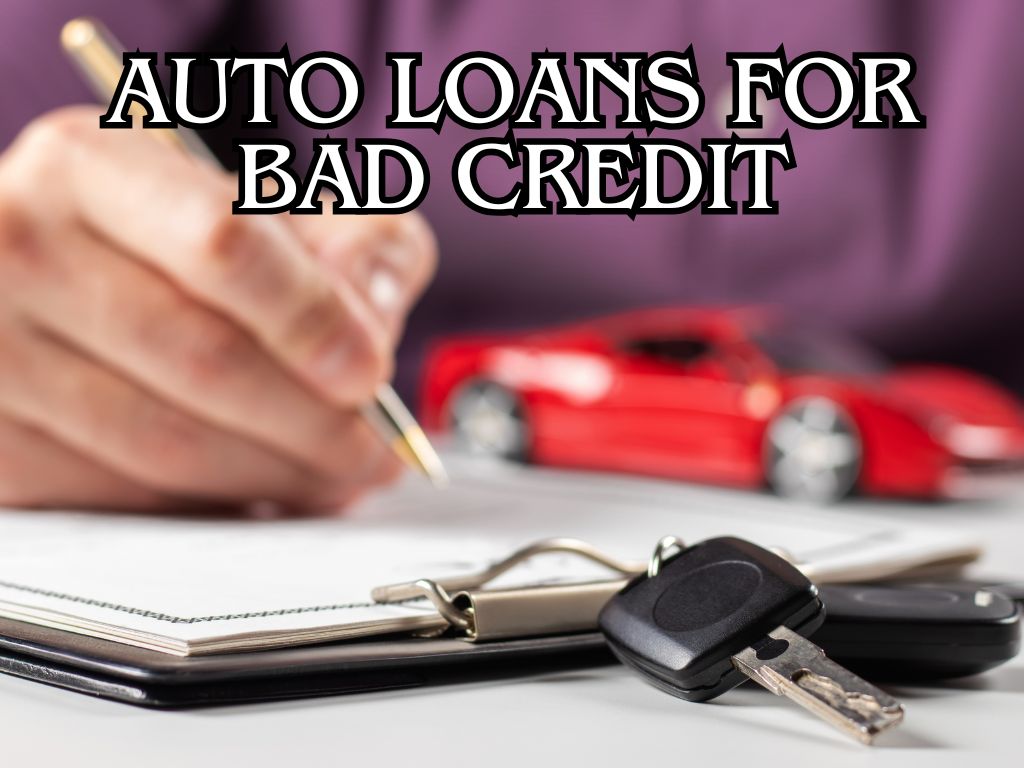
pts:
pixel 918 633
pixel 701 621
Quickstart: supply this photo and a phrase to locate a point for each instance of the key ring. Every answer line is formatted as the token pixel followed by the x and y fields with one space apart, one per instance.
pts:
pixel 665 544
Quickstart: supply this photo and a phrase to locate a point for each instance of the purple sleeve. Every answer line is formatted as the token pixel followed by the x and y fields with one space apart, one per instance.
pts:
pixel 36 75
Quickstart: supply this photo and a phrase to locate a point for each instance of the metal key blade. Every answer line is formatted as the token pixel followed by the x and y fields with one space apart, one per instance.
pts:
pixel 789 665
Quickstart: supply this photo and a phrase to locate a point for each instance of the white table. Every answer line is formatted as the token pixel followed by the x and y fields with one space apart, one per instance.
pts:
pixel 599 717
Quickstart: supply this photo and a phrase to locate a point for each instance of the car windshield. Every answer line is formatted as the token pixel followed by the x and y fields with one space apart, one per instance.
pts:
pixel 804 350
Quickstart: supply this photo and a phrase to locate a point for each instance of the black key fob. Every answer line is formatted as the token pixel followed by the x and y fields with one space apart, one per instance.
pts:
pixel 681 627
pixel 918 633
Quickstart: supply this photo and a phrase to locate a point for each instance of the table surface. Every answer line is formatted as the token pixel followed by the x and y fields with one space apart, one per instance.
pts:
pixel 596 717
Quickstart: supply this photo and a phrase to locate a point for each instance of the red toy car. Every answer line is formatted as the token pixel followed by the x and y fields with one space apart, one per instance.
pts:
pixel 733 396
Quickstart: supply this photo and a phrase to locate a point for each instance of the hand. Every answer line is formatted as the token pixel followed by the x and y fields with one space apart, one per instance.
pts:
pixel 157 351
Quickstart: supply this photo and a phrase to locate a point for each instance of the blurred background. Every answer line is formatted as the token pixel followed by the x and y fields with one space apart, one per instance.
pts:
pixel 908 240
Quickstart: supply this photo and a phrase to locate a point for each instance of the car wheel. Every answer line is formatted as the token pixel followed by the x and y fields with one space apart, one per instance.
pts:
pixel 489 419
pixel 813 451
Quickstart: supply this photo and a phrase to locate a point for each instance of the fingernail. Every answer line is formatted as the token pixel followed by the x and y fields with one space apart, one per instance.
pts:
pixel 384 290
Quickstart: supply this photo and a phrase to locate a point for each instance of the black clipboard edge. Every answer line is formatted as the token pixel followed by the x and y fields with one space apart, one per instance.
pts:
pixel 147 678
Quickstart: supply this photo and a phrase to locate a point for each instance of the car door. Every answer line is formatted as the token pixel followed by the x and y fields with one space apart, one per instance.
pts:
pixel 677 409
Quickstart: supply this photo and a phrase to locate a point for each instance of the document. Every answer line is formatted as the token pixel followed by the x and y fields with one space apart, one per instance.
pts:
pixel 189 585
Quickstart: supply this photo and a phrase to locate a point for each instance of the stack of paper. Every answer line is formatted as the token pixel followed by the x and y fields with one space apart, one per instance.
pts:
pixel 194 586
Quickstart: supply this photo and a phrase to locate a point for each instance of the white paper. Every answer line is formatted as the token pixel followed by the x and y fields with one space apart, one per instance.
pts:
pixel 194 585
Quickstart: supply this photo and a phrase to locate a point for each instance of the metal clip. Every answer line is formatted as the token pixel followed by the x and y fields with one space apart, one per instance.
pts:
pixel 494 614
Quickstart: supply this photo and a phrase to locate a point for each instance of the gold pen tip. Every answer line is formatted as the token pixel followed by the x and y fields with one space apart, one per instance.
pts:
pixel 415 448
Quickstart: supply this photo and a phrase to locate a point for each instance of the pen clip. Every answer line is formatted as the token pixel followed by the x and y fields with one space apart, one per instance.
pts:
pixel 481 614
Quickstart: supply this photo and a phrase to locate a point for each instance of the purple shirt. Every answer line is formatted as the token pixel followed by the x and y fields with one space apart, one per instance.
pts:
pixel 910 239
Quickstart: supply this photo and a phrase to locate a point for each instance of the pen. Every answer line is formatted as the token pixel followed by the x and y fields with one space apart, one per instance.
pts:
pixel 98 57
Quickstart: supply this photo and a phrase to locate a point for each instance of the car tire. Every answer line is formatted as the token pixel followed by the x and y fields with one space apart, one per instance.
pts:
pixel 489 419
pixel 813 451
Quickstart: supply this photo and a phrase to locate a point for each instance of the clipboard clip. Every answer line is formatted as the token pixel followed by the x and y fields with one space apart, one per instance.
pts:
pixel 481 614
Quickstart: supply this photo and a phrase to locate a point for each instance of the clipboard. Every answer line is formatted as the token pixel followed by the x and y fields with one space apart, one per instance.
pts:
pixel 422 568
pixel 151 679
pixel 525 630
pixel 528 630
pixel 313 582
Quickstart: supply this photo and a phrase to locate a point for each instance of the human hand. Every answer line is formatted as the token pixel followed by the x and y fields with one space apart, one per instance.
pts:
pixel 156 350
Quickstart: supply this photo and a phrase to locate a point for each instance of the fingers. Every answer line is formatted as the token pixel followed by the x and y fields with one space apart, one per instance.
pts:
pixel 175 215
pixel 138 436
pixel 388 259
pixel 74 481
pixel 166 352
pixel 71 480
pixel 134 322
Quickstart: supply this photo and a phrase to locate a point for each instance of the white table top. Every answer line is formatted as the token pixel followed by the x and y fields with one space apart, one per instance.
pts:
pixel 599 717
